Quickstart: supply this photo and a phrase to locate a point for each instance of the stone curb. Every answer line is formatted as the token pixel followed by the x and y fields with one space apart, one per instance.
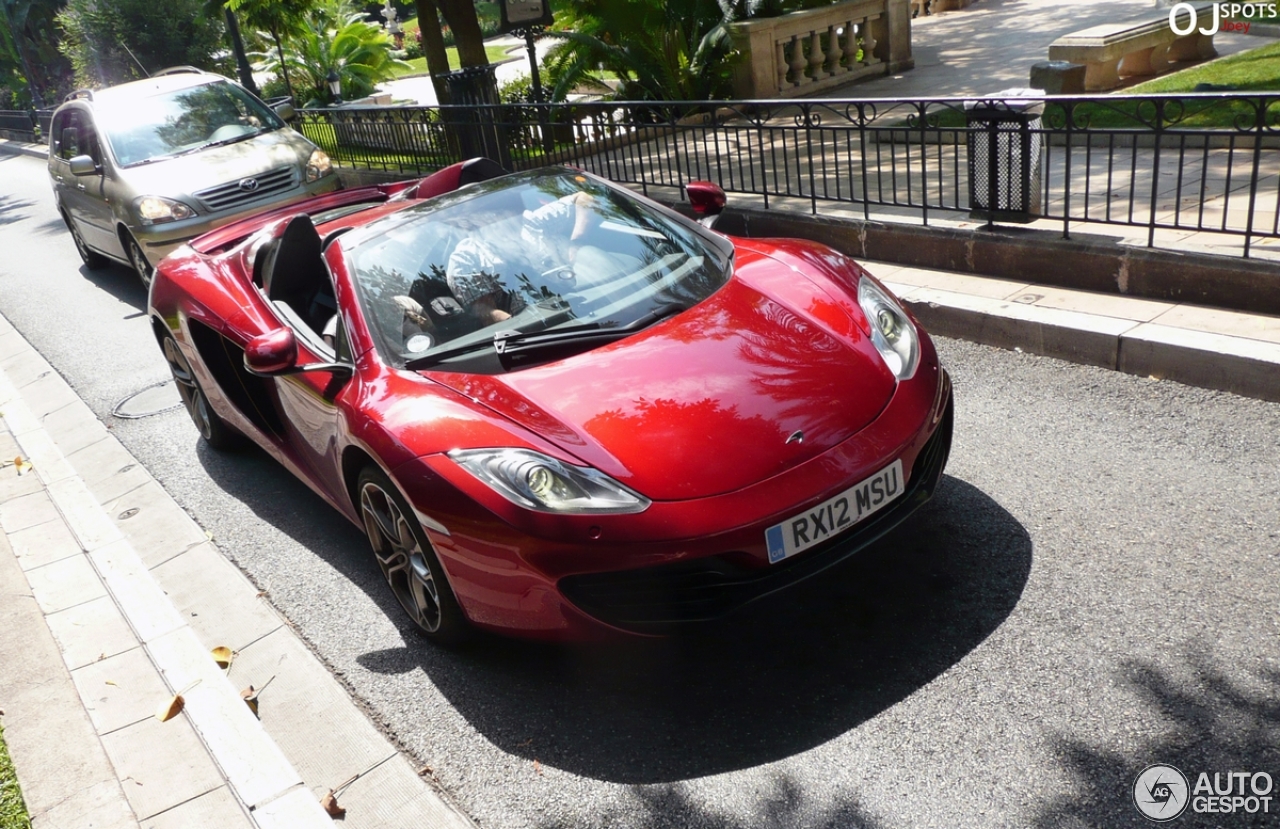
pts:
pixel 148 595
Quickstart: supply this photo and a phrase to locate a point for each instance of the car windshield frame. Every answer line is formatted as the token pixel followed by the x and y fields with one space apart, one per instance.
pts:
pixel 161 125
pixel 566 251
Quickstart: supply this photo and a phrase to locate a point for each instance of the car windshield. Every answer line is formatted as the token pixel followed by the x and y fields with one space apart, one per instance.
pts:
pixel 182 121
pixel 508 259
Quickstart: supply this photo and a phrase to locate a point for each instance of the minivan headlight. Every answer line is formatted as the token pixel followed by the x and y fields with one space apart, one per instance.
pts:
pixel 318 166
pixel 892 332
pixel 155 210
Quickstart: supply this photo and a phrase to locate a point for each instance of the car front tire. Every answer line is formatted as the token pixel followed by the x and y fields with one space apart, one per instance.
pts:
pixel 407 559
pixel 139 261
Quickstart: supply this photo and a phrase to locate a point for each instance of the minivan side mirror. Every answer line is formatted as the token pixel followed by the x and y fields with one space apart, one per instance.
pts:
pixel 285 110
pixel 83 165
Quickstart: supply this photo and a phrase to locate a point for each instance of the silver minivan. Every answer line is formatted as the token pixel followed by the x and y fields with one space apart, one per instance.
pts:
pixel 140 168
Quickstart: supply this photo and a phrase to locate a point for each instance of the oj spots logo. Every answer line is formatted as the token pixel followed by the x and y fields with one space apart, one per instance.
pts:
pixel 1160 792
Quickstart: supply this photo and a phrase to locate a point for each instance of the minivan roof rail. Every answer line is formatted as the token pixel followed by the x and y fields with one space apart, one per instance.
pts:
pixel 178 70
pixel 79 93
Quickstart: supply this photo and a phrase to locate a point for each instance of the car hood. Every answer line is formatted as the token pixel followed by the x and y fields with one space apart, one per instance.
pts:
pixel 184 175
pixel 715 398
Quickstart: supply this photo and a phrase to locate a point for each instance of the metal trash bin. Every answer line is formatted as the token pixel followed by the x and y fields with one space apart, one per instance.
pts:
pixel 471 115
pixel 1006 156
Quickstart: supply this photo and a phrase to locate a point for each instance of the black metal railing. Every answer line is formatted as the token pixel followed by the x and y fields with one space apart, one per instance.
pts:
pixel 1172 165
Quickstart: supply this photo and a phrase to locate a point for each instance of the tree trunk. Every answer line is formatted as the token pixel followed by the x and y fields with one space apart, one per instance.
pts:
pixel 433 48
pixel 461 17
pixel 284 70
pixel 237 46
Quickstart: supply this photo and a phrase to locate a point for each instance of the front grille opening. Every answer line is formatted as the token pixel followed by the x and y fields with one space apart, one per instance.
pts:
pixel 233 194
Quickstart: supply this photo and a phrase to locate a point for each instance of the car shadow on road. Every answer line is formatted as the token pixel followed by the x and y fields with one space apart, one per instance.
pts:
pixel 777 678
pixel 120 281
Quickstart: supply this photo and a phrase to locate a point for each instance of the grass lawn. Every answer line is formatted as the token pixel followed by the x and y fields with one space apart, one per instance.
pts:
pixel 13 812
pixel 1257 70
pixel 495 54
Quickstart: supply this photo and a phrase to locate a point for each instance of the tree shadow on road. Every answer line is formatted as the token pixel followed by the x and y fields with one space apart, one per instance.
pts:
pixel 13 210
pixel 1209 722
pixel 780 677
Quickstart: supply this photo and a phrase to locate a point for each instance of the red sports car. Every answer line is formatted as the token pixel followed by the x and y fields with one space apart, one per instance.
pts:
pixel 555 407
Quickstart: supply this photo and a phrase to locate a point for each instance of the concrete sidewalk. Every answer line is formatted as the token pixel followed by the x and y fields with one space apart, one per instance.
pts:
pixel 113 600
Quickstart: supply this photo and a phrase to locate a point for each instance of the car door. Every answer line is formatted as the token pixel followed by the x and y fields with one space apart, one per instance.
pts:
pixel 83 197
pixel 311 402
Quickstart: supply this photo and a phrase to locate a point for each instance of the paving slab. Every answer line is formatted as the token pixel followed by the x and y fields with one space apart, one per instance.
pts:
pixel 160 764
pixel 108 470
pixel 26 511
pixel 216 808
pixel 1220 321
pixel 303 707
pixel 120 690
pixel 155 525
pixel 76 427
pixel 67 780
pixel 47 393
pixel 44 543
pixel 215 599
pixel 65 583
pixel 91 631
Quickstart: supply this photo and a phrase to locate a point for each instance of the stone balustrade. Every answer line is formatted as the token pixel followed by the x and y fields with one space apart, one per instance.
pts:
pixel 805 52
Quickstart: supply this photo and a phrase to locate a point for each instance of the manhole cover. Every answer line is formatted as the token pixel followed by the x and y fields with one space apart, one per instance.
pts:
pixel 161 397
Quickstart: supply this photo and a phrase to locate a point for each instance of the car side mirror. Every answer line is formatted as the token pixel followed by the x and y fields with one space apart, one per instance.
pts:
pixel 270 354
pixel 707 199
pixel 83 165
pixel 275 354
pixel 285 110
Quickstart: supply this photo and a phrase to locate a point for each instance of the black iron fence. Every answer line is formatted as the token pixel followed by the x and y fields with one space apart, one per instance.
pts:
pixel 1172 165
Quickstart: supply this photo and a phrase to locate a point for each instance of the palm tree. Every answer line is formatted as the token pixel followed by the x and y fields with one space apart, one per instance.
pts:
pixel 676 50
pixel 339 39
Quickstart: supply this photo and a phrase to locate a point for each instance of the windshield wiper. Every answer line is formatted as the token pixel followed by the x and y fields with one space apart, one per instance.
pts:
pixel 428 360
pixel 508 343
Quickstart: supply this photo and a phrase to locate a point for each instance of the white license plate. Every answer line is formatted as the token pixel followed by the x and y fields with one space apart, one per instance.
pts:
pixel 834 515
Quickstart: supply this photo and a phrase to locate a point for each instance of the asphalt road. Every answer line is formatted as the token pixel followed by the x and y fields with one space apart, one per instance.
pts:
pixel 1094 589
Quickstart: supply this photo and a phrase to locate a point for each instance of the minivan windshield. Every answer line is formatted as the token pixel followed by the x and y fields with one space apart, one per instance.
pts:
pixel 183 121
pixel 548 260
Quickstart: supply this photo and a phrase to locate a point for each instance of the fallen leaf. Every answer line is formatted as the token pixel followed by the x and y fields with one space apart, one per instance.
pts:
pixel 330 805
pixel 250 698
pixel 537 766
pixel 112 682
pixel 171 708
pixel 223 656
pixel 23 466
pixel 426 771
pixel 261 593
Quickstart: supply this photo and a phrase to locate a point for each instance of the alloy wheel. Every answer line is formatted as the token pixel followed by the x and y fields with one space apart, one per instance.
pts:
pixel 192 396
pixel 401 556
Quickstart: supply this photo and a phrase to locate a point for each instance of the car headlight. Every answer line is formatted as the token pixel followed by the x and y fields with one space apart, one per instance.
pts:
pixel 155 210
pixel 532 480
pixel 892 331
pixel 318 166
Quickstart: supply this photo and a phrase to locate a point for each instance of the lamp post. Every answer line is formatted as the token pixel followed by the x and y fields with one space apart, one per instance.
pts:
pixel 335 86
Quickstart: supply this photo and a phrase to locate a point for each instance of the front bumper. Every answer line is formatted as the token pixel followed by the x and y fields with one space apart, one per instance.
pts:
pixel 160 240
pixel 652 599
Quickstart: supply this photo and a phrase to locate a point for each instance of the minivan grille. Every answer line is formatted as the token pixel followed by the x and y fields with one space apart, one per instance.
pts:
pixel 233 194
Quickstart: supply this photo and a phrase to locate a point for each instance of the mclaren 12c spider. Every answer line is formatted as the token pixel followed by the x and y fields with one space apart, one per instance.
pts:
pixel 559 409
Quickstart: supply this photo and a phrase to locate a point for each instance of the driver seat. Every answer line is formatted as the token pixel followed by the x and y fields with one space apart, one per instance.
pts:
pixel 294 273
